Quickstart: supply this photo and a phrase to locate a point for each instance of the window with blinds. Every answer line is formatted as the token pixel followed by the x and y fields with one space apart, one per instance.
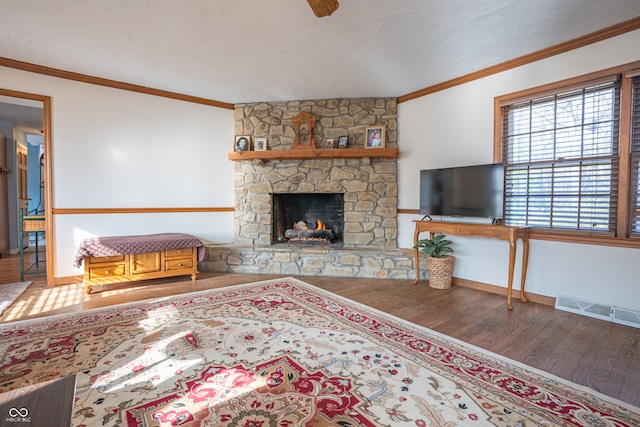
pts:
pixel 634 208
pixel 560 153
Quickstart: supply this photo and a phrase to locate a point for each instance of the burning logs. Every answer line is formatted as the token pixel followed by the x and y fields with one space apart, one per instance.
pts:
pixel 309 232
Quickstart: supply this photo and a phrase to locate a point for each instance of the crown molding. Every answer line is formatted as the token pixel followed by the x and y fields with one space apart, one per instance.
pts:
pixel 598 36
pixel 83 78
pixel 604 34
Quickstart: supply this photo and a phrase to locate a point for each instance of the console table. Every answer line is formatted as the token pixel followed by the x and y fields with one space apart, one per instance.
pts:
pixel 503 232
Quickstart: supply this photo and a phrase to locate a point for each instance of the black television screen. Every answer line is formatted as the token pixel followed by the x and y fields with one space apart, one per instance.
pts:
pixel 469 191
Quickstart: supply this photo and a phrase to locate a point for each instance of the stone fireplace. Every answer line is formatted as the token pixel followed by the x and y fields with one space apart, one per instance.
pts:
pixel 369 184
pixel 370 197
pixel 307 218
pixel 366 246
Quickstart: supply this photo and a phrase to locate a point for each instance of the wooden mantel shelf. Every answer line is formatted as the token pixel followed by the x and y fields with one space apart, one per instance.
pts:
pixel 304 153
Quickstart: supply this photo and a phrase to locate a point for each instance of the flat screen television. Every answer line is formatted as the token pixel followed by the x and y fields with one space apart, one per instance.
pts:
pixel 466 191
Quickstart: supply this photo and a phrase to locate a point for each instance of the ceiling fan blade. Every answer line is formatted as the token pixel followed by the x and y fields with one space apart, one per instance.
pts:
pixel 323 7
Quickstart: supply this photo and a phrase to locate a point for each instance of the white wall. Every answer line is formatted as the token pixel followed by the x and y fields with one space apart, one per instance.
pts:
pixel 120 149
pixel 454 127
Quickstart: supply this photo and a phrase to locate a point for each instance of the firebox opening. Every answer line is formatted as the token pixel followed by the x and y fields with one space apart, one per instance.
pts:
pixel 307 218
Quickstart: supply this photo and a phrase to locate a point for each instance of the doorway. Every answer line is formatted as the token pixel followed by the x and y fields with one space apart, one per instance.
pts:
pixel 25 123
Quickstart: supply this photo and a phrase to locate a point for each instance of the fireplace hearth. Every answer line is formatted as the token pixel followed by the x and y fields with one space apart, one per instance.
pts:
pixel 307 218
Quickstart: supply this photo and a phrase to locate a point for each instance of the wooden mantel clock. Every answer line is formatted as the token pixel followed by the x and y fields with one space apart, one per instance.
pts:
pixel 303 125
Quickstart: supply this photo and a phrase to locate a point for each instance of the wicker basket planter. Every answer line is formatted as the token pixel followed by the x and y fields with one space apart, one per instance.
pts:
pixel 440 271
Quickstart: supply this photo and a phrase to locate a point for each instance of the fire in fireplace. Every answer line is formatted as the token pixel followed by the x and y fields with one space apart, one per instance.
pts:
pixel 307 217
pixel 309 232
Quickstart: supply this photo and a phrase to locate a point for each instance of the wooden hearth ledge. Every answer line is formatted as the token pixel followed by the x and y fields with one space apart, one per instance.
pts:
pixel 322 153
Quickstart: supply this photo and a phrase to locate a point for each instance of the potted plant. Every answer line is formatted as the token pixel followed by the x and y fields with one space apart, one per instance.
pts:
pixel 439 264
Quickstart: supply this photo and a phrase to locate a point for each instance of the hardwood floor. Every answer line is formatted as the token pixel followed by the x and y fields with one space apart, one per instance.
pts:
pixel 601 355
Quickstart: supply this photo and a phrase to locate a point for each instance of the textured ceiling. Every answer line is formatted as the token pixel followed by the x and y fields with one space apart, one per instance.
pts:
pixel 267 50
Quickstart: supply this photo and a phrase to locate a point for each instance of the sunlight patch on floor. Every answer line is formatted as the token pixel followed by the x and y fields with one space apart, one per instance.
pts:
pixel 58 298
pixel 154 366
pixel 49 299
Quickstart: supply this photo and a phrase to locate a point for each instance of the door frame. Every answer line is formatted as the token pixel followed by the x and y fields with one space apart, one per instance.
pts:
pixel 48 176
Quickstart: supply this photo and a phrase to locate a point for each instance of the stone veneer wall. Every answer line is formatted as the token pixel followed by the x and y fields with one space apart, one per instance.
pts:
pixel 310 260
pixel 334 118
pixel 369 185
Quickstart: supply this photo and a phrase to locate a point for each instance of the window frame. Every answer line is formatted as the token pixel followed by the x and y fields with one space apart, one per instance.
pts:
pixel 626 73
pixel 634 157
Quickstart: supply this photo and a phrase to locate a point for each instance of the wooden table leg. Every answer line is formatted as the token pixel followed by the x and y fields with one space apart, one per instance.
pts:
pixel 512 261
pixel 416 253
pixel 525 264
pixel 416 256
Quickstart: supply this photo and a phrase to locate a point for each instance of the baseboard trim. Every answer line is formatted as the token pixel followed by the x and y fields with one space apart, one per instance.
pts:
pixel 67 280
pixel 485 287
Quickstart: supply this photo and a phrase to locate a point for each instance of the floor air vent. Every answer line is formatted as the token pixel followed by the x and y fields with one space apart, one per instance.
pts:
pixel 586 308
pixel 626 317
pixel 613 314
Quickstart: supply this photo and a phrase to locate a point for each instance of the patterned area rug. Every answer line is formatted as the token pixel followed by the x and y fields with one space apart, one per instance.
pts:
pixel 282 353
pixel 10 292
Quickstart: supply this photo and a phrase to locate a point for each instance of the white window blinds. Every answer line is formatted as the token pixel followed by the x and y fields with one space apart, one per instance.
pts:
pixel 561 159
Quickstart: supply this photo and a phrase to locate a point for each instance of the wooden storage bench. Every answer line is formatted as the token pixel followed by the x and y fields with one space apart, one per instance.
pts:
pixel 119 259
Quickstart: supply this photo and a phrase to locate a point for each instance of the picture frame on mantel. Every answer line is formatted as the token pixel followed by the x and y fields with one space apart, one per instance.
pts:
pixel 375 137
pixel 343 141
pixel 242 143
pixel 260 144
